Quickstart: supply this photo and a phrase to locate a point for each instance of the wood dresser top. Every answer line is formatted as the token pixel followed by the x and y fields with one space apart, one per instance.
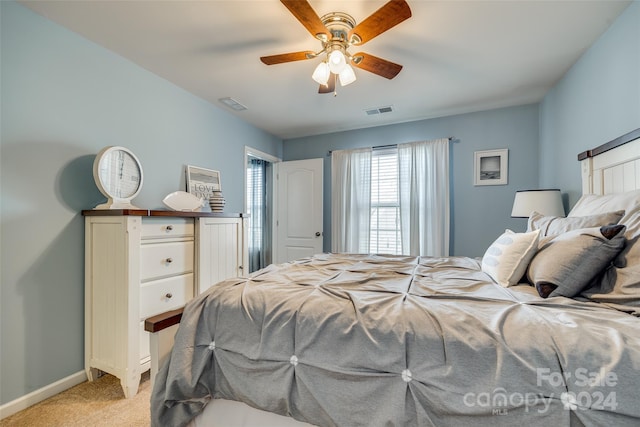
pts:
pixel 152 212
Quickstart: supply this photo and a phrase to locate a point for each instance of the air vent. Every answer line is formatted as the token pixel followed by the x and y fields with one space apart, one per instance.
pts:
pixel 233 104
pixel 379 110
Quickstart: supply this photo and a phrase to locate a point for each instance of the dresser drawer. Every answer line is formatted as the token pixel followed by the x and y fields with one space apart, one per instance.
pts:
pixel 159 228
pixel 165 259
pixel 165 294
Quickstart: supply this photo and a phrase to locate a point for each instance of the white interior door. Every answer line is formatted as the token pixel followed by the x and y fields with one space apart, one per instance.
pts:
pixel 298 222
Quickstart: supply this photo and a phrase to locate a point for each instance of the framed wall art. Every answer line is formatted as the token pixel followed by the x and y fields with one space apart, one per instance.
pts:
pixel 491 167
pixel 202 182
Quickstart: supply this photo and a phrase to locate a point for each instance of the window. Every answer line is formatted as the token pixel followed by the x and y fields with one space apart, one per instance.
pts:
pixel 256 176
pixel 259 193
pixel 385 236
pixel 391 200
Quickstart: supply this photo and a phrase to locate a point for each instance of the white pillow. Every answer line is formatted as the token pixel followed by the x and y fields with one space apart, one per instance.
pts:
pixel 591 204
pixel 553 225
pixel 506 260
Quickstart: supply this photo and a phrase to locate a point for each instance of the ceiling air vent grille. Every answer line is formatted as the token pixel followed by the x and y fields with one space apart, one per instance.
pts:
pixel 233 104
pixel 379 110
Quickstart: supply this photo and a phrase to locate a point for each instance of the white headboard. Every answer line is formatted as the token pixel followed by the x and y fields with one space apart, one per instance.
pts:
pixel 613 167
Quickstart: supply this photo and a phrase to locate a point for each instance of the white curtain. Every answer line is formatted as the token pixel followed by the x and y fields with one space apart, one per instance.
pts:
pixel 350 200
pixel 423 169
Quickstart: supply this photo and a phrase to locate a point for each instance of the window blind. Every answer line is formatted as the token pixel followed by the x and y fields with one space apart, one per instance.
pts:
pixel 385 234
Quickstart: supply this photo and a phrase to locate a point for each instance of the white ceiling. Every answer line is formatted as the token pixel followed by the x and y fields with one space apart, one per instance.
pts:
pixel 458 56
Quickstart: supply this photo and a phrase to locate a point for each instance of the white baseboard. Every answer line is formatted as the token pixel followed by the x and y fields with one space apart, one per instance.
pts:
pixel 39 395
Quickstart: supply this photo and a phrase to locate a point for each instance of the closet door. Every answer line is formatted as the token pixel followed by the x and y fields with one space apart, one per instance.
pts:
pixel 298 231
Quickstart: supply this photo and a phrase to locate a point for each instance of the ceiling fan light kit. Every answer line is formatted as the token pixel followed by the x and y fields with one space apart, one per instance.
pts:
pixel 321 73
pixel 337 31
pixel 347 76
pixel 337 61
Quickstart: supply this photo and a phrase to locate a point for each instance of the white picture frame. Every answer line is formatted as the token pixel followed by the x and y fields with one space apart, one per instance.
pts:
pixel 491 167
pixel 202 182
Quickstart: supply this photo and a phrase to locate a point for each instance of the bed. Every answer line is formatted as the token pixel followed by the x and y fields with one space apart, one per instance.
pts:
pixel 542 330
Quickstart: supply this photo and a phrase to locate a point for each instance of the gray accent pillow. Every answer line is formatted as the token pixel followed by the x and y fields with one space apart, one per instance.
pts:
pixel 620 286
pixel 567 264
pixel 554 225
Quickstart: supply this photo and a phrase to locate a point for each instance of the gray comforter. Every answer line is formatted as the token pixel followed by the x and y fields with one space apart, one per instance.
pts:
pixel 356 340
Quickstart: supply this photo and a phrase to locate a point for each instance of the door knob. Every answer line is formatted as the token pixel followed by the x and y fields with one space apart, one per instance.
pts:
pixel 318 234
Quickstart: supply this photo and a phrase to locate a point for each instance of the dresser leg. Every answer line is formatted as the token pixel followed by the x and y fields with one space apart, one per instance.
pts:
pixel 130 386
pixel 92 373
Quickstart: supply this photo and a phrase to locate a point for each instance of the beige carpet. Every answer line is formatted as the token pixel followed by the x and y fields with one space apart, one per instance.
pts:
pixel 99 403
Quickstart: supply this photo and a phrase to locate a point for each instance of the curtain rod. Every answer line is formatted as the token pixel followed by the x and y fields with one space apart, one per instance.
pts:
pixel 379 147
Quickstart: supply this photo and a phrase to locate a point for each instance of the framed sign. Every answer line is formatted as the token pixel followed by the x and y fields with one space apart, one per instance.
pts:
pixel 202 182
pixel 491 167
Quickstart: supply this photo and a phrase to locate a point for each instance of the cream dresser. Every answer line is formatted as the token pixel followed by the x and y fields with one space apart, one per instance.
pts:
pixel 140 263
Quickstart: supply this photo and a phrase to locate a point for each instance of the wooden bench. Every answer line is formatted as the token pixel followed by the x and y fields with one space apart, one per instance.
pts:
pixel 162 329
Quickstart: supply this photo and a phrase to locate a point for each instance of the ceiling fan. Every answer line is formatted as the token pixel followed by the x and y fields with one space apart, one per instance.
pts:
pixel 337 31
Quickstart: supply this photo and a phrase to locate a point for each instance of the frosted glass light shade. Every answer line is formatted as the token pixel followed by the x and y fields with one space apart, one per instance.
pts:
pixel 321 73
pixel 548 202
pixel 337 62
pixel 347 76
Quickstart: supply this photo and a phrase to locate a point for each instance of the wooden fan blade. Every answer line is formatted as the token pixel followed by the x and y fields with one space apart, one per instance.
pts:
pixel 330 87
pixel 376 65
pixel 286 57
pixel 388 16
pixel 304 13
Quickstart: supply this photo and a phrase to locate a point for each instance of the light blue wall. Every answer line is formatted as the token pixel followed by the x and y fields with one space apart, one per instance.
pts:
pixel 596 101
pixel 479 214
pixel 63 99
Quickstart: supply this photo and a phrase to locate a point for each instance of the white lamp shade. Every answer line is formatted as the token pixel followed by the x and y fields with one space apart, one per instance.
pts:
pixel 548 202
pixel 347 76
pixel 337 62
pixel 321 73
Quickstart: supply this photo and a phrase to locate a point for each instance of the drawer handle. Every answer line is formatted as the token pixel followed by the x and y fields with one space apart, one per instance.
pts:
pixel 169 228
pixel 169 295
pixel 168 260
